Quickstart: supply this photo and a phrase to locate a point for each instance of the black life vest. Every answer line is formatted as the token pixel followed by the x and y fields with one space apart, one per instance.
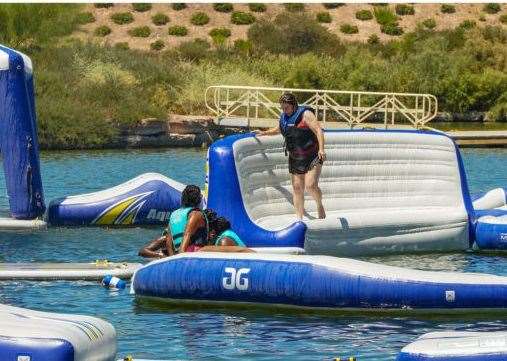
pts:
pixel 299 142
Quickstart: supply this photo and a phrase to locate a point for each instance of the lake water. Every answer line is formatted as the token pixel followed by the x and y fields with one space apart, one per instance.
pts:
pixel 152 331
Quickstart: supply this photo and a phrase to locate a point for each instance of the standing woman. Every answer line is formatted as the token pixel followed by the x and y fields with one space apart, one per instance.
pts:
pixel 304 141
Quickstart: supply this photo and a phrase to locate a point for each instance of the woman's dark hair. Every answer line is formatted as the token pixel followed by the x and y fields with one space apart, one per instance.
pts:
pixel 191 196
pixel 221 224
pixel 211 216
pixel 289 98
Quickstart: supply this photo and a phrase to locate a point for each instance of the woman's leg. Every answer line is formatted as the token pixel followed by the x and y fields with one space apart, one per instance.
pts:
pixel 312 186
pixel 298 194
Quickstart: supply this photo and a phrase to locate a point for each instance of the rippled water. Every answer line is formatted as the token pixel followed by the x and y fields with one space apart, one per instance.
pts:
pixel 161 332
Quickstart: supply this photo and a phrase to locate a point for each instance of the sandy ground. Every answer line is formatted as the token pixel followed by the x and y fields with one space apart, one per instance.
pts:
pixel 342 15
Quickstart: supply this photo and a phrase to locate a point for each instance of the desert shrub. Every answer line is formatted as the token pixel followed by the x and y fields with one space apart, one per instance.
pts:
pixel 333 5
pixel 373 39
pixel 223 32
pixel 404 9
pixel 123 45
pixel 177 30
pixel 103 5
pixel 429 23
pixel 223 7
pixel 199 18
pixel 364 15
pixel 160 19
pixel 384 15
pixel 141 7
pixel 178 6
pixel 157 45
pixel 494 34
pixel 140 32
pixel 85 18
pixel 503 19
pixel 492 8
pixel 194 50
pixel 482 18
pixel 243 46
pixel 447 9
pixel 467 24
pixel 323 17
pixel 257 7
pixel 391 29
pixel 242 18
pixel 122 18
pixel 294 7
pixel 349 29
pixel 103 30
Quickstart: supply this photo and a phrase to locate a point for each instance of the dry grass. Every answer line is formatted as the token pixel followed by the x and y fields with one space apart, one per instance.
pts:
pixel 342 15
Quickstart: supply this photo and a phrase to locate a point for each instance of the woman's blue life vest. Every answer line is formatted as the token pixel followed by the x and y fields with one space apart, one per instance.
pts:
pixel 232 235
pixel 177 223
pixel 299 142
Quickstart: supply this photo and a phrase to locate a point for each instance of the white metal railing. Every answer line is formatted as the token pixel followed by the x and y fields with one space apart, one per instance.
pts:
pixel 353 107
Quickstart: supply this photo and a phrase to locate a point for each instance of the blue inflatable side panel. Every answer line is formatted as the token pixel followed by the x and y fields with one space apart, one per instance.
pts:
pixel 36 349
pixel 225 198
pixel 467 199
pixel 266 280
pixel 18 136
pixel 404 356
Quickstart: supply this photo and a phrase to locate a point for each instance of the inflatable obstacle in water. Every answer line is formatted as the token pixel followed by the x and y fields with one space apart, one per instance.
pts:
pixel 384 192
pixel 491 224
pixel 27 335
pixel 66 271
pixel 318 282
pixel 18 140
pixel 457 346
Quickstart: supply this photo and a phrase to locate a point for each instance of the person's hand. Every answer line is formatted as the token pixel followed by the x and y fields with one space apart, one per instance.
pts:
pixel 322 156
pixel 257 132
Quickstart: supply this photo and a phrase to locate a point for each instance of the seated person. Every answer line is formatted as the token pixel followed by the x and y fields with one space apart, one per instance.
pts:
pixel 223 238
pixel 188 227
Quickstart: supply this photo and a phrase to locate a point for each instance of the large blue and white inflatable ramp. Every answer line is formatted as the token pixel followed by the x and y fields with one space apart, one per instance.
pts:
pixel 457 346
pixel 144 200
pixel 319 282
pixel 383 191
pixel 42 336
pixel 18 136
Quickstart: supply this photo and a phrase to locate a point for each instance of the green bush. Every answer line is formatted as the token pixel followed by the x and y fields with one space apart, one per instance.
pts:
pixel 384 15
pixel 103 30
pixel 123 45
pixel 494 34
pixel 364 15
pixel 257 7
pixel 429 23
pixel 349 29
pixel 503 19
pixel 224 32
pixel 157 45
pixel 223 7
pixel 333 5
pixel 85 18
pixel 482 18
pixel 404 9
pixel 373 39
pixel 391 29
pixel 141 7
pixel 122 18
pixel 243 47
pixel 467 24
pixel 294 7
pixel 242 18
pixel 324 17
pixel 199 18
pixel 179 6
pixel 160 19
pixel 103 5
pixel 492 8
pixel 194 50
pixel 177 30
pixel 447 9
pixel 140 32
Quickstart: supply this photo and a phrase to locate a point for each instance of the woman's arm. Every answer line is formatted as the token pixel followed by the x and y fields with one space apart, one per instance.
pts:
pixel 168 239
pixel 195 222
pixel 153 249
pixel 314 125
pixel 270 131
pixel 233 249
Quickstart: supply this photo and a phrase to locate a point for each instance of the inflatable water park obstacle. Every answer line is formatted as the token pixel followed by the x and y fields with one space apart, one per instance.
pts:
pixel 457 346
pixel 27 335
pixel 316 282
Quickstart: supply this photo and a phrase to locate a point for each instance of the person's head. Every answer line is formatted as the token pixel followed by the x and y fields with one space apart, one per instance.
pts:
pixel 191 196
pixel 288 103
pixel 219 225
